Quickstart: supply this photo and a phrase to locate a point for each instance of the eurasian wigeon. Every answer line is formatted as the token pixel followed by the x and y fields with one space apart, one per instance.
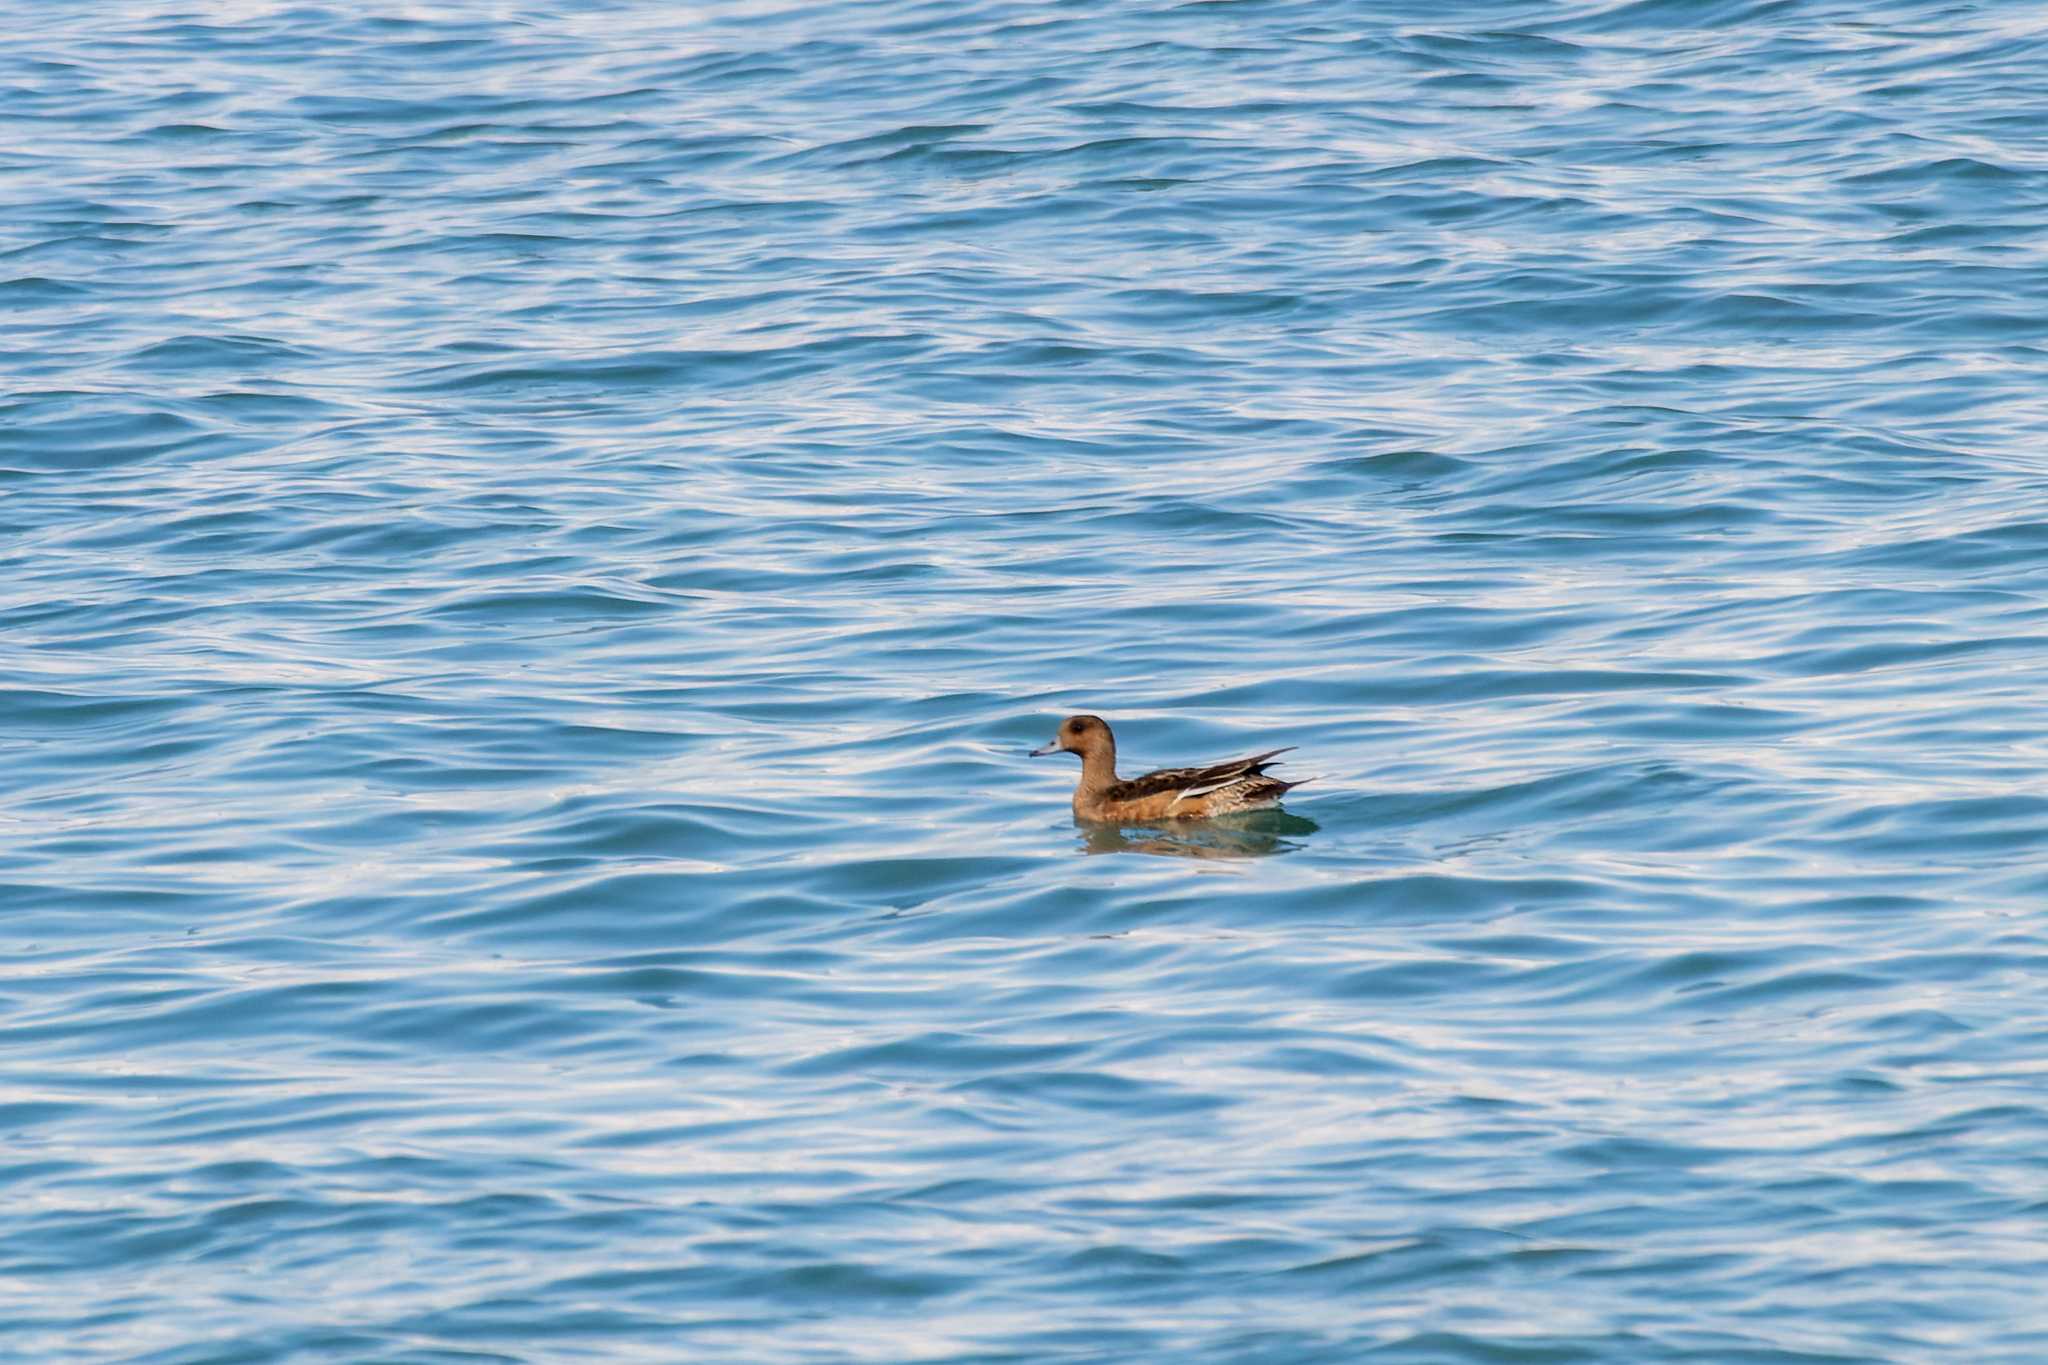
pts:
pixel 1170 793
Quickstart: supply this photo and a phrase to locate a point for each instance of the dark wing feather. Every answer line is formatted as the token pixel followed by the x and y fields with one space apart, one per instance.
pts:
pixel 1175 779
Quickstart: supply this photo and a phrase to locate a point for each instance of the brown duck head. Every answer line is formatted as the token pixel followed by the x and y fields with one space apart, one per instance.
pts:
pixel 1089 737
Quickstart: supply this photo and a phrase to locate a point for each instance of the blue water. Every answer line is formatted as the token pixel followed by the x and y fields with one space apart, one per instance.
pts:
pixel 535 539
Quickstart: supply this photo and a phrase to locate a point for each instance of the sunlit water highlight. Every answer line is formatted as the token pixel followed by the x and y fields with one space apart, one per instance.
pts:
pixel 535 543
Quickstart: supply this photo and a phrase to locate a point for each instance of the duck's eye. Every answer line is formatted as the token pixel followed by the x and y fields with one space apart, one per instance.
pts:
pixel 1075 727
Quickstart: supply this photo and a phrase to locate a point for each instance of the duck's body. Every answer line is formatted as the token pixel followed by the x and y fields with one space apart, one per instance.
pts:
pixel 1170 793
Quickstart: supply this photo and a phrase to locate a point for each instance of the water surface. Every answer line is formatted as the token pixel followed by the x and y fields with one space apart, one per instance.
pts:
pixel 535 540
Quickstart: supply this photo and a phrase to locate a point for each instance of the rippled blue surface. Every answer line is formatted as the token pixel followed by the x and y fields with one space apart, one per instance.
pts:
pixel 535 540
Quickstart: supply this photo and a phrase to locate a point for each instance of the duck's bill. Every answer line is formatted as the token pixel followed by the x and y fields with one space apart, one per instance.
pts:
pixel 1052 748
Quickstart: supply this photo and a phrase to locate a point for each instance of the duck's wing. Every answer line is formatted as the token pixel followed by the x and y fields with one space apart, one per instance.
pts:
pixel 1187 783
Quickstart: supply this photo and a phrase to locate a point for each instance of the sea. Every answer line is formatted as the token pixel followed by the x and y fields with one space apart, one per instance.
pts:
pixel 536 539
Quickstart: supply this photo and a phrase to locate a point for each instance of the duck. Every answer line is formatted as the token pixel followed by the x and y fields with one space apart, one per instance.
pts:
pixel 1169 794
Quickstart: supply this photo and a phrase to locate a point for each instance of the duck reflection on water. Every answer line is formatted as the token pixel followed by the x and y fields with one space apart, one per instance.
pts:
pixel 1256 834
